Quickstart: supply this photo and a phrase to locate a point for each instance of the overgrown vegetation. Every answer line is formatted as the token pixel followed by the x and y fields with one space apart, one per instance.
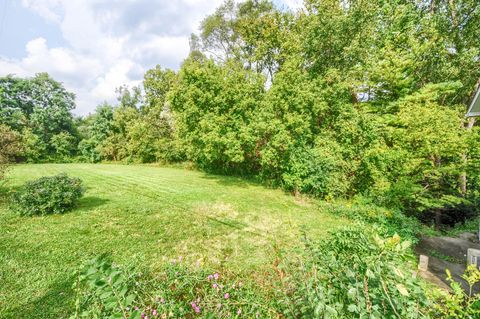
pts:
pixel 353 274
pixel 336 100
pixel 105 290
pixel 359 103
pixel 10 147
pixel 47 195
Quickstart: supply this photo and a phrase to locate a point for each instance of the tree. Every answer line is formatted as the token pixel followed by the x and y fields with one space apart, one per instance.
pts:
pixel 39 106
pixel 10 148
pixel 214 107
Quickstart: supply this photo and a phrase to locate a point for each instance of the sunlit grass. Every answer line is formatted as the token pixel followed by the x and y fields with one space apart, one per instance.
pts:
pixel 145 213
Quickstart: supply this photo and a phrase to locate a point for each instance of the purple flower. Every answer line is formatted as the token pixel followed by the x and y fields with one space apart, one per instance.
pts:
pixel 210 277
pixel 194 305
pixel 142 315
pixel 154 312
pixel 197 309
pixel 215 285
pixel 227 295
pixel 216 276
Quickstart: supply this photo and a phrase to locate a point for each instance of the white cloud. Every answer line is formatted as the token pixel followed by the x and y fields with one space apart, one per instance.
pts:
pixel 47 9
pixel 109 43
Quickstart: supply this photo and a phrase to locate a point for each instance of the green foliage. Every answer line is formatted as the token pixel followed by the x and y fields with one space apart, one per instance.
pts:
pixel 387 222
pixel 458 303
pixel 354 274
pixel 64 145
pixel 105 290
pixel 34 148
pixel 214 107
pixel 319 171
pixel 47 195
pixel 39 108
pixel 10 147
pixel 343 98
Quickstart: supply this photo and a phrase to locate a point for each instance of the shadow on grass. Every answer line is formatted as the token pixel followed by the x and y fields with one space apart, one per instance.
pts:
pixel 90 202
pixel 237 181
pixel 57 302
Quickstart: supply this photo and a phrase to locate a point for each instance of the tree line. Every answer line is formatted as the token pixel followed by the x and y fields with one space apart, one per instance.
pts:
pixel 339 99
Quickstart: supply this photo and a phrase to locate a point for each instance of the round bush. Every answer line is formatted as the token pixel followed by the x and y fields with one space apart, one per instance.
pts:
pixel 48 195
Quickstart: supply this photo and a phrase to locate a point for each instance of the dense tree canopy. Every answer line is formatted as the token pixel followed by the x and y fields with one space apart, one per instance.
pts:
pixel 339 99
pixel 40 109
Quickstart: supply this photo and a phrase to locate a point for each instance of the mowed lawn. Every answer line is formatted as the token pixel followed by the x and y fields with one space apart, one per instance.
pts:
pixel 149 214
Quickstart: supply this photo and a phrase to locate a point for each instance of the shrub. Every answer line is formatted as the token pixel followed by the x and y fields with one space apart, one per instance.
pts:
pixel 318 171
pixel 387 222
pixel 354 275
pixel 48 195
pixel 458 303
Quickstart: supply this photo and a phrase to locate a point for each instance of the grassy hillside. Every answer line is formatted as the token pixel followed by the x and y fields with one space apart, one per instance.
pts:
pixel 150 214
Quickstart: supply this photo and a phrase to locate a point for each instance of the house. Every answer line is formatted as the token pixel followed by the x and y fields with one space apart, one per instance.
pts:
pixel 474 109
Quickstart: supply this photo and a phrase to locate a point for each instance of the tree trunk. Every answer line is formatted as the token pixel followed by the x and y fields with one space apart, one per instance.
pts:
pixel 438 219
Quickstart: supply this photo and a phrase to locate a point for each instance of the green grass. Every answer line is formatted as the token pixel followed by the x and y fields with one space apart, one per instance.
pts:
pixel 146 213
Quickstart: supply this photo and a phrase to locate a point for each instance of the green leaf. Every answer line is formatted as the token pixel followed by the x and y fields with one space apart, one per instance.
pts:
pixel 402 290
pixel 352 308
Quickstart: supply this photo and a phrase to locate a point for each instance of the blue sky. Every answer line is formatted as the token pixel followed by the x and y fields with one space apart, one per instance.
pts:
pixel 95 46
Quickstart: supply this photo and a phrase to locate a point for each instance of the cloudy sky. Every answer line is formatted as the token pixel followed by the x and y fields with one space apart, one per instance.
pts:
pixel 95 46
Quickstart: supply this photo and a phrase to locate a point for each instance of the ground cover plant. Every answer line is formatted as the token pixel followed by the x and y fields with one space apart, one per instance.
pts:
pixel 105 290
pixel 353 273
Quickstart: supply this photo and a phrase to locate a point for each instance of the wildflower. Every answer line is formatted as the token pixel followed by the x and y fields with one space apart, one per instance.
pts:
pixel 197 309
pixel 239 312
pixel 216 276
pixel 154 312
pixel 215 285
pixel 210 277
pixel 136 308
pixel 227 295
pixel 142 315
pixel 194 305
pixel 162 300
